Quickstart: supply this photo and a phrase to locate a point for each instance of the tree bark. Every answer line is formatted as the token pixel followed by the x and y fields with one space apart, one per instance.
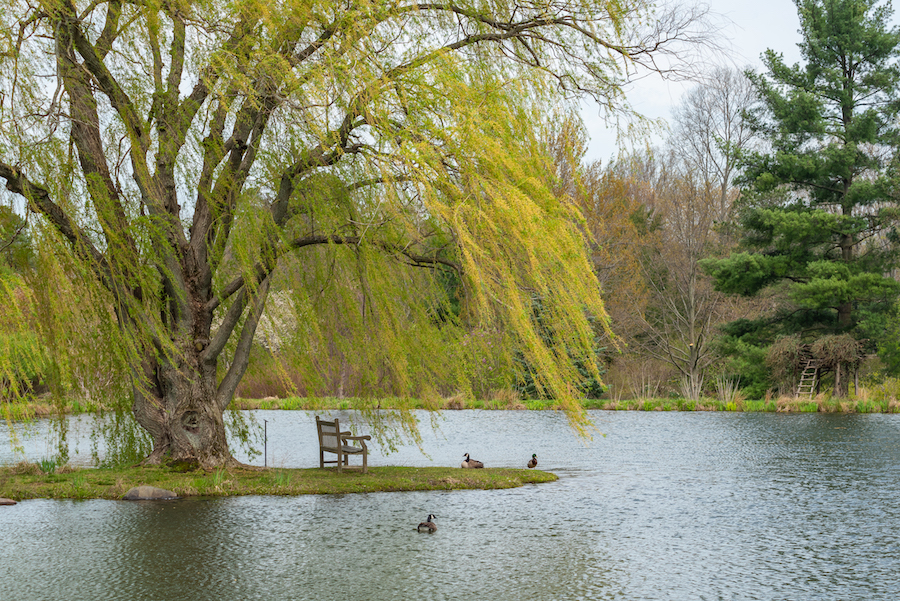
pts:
pixel 841 381
pixel 183 418
pixel 845 310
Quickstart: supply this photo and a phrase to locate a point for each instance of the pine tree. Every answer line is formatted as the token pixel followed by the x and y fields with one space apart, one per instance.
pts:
pixel 819 215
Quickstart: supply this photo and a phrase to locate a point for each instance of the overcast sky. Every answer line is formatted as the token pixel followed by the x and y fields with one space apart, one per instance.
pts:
pixel 749 27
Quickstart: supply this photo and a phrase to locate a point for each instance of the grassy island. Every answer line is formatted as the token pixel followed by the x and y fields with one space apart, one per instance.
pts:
pixel 28 481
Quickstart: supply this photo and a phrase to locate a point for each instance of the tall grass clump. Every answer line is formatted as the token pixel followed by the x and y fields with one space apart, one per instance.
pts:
pixel 885 393
pixel 48 465
pixel 729 393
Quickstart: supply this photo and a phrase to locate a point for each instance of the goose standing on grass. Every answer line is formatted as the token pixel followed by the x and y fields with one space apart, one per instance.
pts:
pixel 428 525
pixel 533 461
pixel 470 463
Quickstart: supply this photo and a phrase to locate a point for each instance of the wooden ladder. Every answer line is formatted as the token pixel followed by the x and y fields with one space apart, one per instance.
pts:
pixel 807 385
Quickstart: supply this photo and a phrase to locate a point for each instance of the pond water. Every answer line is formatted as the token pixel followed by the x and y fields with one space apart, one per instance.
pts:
pixel 690 506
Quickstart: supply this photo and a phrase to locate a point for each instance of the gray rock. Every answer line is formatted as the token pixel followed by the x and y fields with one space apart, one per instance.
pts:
pixel 6 501
pixel 147 493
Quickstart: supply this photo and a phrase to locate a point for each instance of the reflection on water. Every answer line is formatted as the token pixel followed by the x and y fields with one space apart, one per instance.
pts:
pixel 665 506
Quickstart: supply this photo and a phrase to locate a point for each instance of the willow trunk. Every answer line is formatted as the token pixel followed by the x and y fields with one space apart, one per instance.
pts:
pixel 184 416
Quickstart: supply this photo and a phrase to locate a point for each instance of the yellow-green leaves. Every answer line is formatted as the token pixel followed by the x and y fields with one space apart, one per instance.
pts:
pixel 375 170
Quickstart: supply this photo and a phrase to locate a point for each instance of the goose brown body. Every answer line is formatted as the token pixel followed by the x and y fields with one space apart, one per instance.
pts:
pixel 428 525
pixel 470 463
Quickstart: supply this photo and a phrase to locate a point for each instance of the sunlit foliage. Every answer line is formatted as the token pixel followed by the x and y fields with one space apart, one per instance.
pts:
pixel 191 160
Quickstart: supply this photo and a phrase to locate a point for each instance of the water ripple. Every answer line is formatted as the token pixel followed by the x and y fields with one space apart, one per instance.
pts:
pixel 665 506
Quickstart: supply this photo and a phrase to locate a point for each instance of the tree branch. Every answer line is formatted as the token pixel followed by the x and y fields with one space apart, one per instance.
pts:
pixel 261 272
pixel 102 76
pixel 39 201
pixel 241 360
pixel 110 28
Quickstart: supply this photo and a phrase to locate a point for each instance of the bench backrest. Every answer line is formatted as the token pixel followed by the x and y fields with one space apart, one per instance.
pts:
pixel 329 432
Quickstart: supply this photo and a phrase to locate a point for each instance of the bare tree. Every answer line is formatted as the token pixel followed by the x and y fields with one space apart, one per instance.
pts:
pixel 709 131
pixel 692 197
pixel 683 308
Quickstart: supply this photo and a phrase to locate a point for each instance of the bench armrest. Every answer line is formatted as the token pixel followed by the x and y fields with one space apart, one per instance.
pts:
pixel 366 437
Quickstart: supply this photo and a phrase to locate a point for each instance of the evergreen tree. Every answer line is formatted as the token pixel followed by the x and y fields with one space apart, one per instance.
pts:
pixel 819 216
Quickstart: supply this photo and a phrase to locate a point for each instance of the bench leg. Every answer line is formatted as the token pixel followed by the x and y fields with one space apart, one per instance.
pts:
pixel 365 463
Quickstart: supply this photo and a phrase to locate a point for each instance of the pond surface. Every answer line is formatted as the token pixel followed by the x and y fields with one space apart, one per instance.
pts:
pixel 690 506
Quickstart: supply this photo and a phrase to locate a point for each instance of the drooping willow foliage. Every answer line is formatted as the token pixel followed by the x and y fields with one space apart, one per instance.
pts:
pixel 375 173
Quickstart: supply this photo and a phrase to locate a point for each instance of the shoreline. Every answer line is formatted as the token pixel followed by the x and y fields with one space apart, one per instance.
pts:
pixel 17 411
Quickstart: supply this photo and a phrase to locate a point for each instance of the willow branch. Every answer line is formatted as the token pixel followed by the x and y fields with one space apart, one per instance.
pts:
pixel 261 271
pixel 225 329
pixel 242 352
pixel 39 201
pixel 110 28
pixel 118 98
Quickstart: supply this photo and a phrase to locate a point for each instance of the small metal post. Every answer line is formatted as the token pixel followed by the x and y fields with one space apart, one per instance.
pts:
pixel 265 443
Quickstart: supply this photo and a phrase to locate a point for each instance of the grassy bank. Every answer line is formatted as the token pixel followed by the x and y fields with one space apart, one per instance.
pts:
pixel 449 404
pixel 863 403
pixel 819 404
pixel 28 481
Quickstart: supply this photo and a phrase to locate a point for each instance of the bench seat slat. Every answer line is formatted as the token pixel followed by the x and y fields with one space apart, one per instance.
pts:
pixel 351 450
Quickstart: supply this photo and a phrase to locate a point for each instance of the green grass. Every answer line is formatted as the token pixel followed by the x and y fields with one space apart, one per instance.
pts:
pixel 27 481
pixel 48 466
pixel 867 403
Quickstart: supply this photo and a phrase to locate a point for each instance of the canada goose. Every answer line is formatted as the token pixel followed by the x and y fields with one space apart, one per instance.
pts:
pixel 428 524
pixel 470 463
pixel 533 461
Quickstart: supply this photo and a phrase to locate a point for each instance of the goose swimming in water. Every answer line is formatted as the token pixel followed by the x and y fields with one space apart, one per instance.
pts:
pixel 533 461
pixel 470 463
pixel 428 525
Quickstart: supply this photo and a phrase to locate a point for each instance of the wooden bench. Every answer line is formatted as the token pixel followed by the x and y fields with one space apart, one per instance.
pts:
pixel 332 440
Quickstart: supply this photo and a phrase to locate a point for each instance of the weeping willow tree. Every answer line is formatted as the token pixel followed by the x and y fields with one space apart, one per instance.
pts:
pixel 181 158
